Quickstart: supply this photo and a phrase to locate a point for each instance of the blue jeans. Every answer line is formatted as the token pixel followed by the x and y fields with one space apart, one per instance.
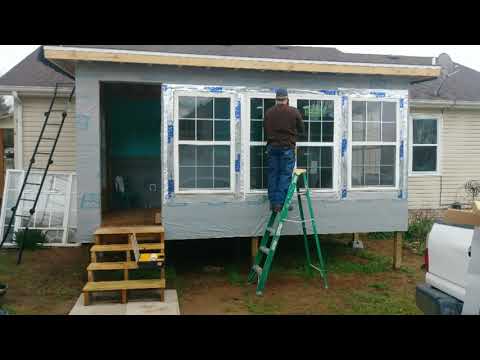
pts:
pixel 281 162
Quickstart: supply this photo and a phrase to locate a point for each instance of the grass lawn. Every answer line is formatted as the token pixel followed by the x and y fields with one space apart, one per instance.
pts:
pixel 210 276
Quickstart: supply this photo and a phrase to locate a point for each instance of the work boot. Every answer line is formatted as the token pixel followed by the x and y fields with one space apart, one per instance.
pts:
pixel 277 209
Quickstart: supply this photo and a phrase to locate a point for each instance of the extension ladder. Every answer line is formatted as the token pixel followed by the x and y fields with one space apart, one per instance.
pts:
pixel 271 236
pixel 46 160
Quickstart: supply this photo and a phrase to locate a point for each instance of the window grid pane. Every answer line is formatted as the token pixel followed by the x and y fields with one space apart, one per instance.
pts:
pixel 204 118
pixel 374 121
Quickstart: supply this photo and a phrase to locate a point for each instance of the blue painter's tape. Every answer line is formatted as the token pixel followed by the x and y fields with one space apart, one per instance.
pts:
pixel 400 194
pixel 90 201
pixel 329 92
pixel 378 93
pixel 344 100
pixel 238 111
pixel 237 163
pixel 401 103
pixel 164 87
pixel 344 146
pixel 215 89
pixel 82 121
pixel 171 186
pixel 344 192
pixel 401 150
pixel 170 134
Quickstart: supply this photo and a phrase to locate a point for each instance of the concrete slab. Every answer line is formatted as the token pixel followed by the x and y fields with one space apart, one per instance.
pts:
pixel 169 307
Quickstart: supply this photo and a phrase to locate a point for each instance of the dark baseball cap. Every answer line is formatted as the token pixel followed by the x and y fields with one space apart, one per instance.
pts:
pixel 282 94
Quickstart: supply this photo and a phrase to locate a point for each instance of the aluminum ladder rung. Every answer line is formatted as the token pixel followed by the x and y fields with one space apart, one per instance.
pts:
pixel 29 183
pixel 264 250
pixel 257 269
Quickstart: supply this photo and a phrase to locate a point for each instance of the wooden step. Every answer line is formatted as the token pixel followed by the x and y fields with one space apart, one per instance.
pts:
pixel 126 247
pixel 114 265
pixel 124 285
pixel 135 229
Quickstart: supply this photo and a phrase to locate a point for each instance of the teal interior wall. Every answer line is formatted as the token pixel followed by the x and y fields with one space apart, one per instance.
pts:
pixel 134 126
pixel 133 118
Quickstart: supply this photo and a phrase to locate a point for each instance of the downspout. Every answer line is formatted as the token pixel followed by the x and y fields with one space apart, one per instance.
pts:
pixel 18 136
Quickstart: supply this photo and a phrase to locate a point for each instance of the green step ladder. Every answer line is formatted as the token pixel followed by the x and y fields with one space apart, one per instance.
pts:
pixel 268 245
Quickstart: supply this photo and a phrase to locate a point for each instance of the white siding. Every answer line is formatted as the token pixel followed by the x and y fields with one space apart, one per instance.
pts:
pixel 33 117
pixel 460 147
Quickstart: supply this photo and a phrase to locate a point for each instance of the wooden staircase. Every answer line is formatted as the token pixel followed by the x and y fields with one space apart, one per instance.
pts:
pixel 116 241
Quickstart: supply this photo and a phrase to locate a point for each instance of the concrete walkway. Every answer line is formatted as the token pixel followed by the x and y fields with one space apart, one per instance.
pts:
pixel 169 307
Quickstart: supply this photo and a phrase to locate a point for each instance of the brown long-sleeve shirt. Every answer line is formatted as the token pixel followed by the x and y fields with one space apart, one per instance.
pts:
pixel 282 125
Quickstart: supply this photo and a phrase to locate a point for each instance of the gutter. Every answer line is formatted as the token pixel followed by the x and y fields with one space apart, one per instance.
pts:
pixel 34 90
pixel 53 65
pixel 18 130
pixel 445 103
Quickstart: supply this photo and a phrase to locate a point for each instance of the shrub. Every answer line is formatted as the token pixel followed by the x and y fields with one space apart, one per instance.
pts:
pixel 31 239
pixel 418 229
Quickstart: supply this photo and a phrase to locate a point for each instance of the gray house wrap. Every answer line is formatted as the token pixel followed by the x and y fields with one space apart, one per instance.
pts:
pixel 241 214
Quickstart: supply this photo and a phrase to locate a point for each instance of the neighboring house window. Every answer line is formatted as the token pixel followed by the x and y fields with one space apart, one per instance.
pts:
pixel 315 146
pixel 374 144
pixel 204 143
pixel 258 157
pixel 424 148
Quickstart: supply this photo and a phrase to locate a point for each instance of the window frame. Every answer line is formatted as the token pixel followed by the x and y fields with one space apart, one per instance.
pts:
pixel 294 97
pixel 373 143
pixel 425 116
pixel 178 142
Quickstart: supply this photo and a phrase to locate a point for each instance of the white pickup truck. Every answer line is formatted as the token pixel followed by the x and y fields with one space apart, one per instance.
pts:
pixel 447 261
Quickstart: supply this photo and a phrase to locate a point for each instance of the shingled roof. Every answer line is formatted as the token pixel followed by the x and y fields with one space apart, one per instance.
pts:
pixel 32 72
pixel 464 85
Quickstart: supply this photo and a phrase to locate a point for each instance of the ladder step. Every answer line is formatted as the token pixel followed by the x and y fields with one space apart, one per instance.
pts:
pixel 43 153
pixel 271 230
pixel 23 216
pixel 36 168
pixel 54 124
pixel 50 139
pixel 29 183
pixel 264 249
pixel 32 200
pixel 258 270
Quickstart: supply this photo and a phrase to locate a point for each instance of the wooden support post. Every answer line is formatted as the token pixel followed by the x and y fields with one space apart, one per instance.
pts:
pixel 397 250
pixel 86 298
pixel 91 278
pixel 124 296
pixel 254 248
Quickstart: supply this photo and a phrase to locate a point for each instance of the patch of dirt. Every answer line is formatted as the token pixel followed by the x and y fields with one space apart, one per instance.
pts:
pixel 48 281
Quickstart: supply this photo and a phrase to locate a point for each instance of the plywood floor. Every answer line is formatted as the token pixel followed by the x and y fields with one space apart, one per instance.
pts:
pixel 131 217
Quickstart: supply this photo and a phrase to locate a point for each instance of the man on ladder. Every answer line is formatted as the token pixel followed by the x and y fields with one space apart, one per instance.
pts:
pixel 282 125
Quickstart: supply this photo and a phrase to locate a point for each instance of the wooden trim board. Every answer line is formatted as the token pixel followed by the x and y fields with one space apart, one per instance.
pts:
pixel 238 63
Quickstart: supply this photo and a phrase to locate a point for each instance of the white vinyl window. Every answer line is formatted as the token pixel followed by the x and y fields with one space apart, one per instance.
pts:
pixel 315 148
pixel 257 107
pixel 374 145
pixel 424 148
pixel 205 137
